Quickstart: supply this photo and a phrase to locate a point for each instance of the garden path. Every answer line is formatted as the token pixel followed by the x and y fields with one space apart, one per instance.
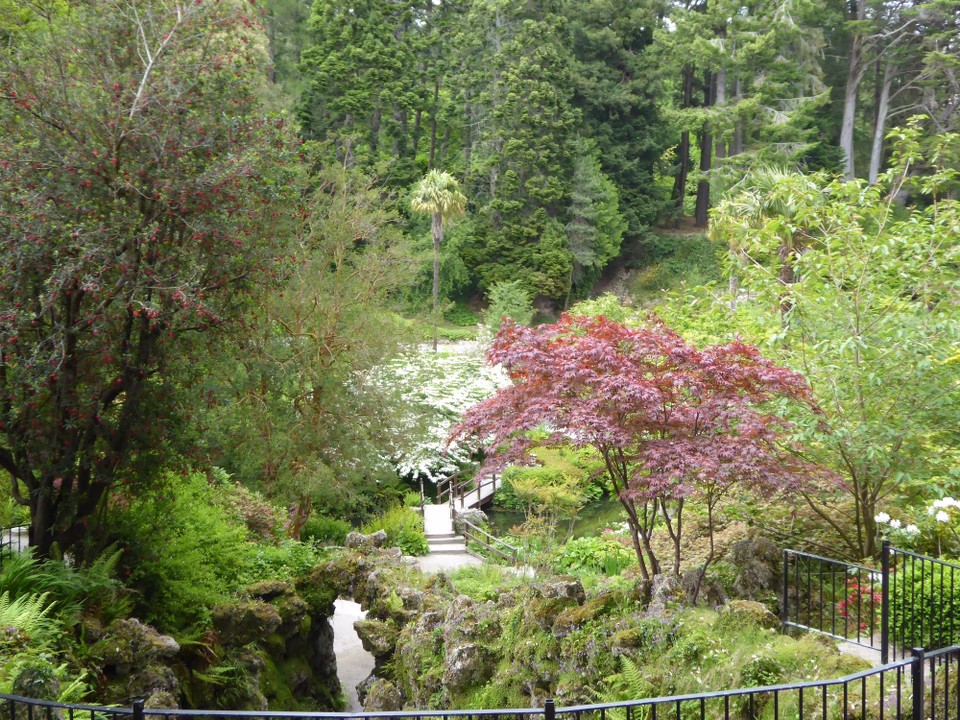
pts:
pixel 354 663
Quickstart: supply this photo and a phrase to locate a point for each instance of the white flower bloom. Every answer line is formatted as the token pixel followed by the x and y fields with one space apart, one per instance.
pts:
pixel 882 517
pixel 943 516
pixel 950 502
pixel 911 529
pixel 939 504
pixel 895 524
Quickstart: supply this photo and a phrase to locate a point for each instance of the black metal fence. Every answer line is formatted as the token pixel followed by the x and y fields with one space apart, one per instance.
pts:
pixel 909 601
pixel 922 687
pixel 924 601
pixel 13 540
pixel 840 599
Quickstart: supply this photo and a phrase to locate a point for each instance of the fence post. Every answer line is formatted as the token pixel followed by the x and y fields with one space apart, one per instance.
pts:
pixel 885 603
pixel 916 672
pixel 549 710
pixel 784 610
pixel 138 709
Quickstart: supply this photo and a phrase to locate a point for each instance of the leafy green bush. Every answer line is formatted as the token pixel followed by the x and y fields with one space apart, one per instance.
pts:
pixel 596 554
pixel 462 316
pixel 485 582
pixel 924 606
pixel 404 528
pixel 284 560
pixel 560 465
pixel 184 552
pixel 508 299
pixel 325 530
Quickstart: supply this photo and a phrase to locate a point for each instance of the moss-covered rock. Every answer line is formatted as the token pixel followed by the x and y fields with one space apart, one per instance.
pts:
pixel 161 700
pixel 129 644
pixel 737 613
pixel 378 637
pixel 579 615
pixel 468 666
pixel 36 678
pixel 359 541
pixel 565 587
pixel 269 590
pixel 382 695
pixel 242 623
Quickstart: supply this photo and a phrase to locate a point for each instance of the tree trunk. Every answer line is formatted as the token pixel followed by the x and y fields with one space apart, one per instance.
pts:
pixel 736 145
pixel 683 151
pixel 854 76
pixel 706 157
pixel 437 229
pixel 433 128
pixel 720 101
pixel 880 126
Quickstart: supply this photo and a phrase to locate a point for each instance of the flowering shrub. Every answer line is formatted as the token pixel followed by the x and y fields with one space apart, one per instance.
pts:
pixel 861 606
pixel 434 390
pixel 933 532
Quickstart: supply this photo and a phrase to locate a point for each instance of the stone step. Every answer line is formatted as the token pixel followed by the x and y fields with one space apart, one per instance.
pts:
pixel 448 549
pixel 442 537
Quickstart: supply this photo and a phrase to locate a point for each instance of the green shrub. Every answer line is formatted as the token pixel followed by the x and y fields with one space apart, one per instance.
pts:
pixel 325 530
pixel 462 316
pixel 485 582
pixel 404 528
pixel 924 605
pixel 558 466
pixel 508 298
pixel 596 554
pixel 184 552
pixel 285 560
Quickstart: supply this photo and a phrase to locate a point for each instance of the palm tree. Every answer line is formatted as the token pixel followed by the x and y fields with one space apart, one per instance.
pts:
pixel 766 197
pixel 438 195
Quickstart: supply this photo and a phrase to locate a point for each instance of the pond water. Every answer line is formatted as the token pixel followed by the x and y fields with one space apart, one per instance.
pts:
pixel 591 520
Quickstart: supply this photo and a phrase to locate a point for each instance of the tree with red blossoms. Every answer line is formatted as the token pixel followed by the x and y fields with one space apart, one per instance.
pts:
pixel 141 189
pixel 670 422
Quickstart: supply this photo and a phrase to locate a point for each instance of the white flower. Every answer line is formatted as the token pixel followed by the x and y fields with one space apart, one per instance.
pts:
pixel 943 516
pixel 950 502
pixel 911 529
pixel 882 517
pixel 895 524
pixel 940 504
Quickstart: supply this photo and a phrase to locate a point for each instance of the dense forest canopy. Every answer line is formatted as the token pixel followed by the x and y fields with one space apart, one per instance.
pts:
pixel 218 223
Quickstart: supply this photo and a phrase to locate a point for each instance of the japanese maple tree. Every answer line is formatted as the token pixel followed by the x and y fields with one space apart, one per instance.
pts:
pixel 670 421
pixel 140 189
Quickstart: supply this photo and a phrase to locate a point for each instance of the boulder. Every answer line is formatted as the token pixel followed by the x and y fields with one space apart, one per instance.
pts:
pixel 474 517
pixel 382 695
pixel 666 589
pixel 269 590
pixel 378 637
pixel 242 623
pixel 564 587
pixel 161 700
pixel 363 542
pixel 578 615
pixel 129 644
pixel 468 666
pixel 737 613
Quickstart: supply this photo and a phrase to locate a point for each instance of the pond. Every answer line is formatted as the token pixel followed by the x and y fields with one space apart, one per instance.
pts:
pixel 590 521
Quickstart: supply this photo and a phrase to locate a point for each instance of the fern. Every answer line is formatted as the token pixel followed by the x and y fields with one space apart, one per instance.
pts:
pixel 28 614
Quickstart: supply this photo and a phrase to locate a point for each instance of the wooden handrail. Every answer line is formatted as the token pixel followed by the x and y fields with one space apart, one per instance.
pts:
pixel 490 542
